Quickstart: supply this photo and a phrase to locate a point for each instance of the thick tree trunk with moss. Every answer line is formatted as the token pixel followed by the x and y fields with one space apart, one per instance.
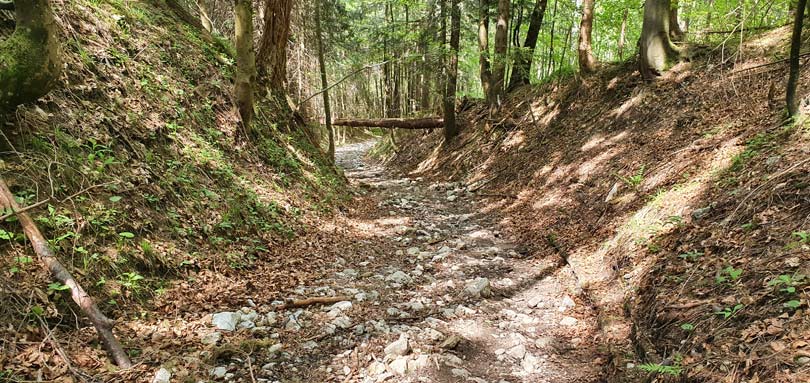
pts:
pixel 587 63
pixel 245 60
pixel 656 50
pixel 29 60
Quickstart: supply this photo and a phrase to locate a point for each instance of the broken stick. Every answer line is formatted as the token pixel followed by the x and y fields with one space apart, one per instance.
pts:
pixel 102 324
pixel 296 303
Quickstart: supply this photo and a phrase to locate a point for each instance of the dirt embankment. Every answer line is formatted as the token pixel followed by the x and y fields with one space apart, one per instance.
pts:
pixel 681 206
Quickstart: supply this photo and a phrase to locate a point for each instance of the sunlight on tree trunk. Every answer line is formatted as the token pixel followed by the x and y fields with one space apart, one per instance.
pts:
pixel 587 63
pixel 795 50
pixel 675 31
pixel 205 20
pixel 245 60
pixel 484 66
pixel 324 83
pixel 30 60
pixel 450 126
pixel 656 50
pixel 501 45
pixel 622 35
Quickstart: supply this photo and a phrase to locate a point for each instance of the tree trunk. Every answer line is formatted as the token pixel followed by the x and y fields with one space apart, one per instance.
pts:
pixel 272 56
pixel 501 45
pixel 245 60
pixel 102 324
pixel 324 83
pixel 795 48
pixel 587 63
pixel 450 126
pixel 675 31
pixel 30 60
pixel 393 123
pixel 484 66
pixel 656 50
pixel 523 58
pixel 623 35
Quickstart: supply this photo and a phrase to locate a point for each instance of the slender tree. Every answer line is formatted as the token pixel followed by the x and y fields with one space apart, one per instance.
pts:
pixel 795 48
pixel 587 63
pixel 656 50
pixel 523 58
pixel 450 127
pixel 501 46
pixel 622 35
pixel 245 60
pixel 324 83
pixel 484 66
pixel 675 31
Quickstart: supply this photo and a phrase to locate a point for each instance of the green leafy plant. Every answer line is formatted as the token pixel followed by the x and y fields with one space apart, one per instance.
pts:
pixel 789 282
pixel 729 274
pixel 802 236
pixel 56 286
pixel 792 304
pixel 687 327
pixel 674 369
pixel 691 255
pixel 130 280
pixel 728 312
pixel 636 179
pixel 126 234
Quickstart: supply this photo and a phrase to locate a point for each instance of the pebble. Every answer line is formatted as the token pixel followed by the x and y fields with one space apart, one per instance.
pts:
pixel 398 277
pixel 568 321
pixel 399 347
pixel 219 372
pixel 226 321
pixel 477 288
pixel 162 376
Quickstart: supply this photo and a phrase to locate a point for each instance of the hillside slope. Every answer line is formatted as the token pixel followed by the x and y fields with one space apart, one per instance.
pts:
pixel 681 206
pixel 152 193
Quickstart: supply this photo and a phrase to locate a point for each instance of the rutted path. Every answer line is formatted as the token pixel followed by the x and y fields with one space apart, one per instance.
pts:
pixel 438 294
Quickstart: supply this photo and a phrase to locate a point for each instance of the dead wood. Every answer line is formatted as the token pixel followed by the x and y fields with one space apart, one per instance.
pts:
pixel 102 324
pixel 298 303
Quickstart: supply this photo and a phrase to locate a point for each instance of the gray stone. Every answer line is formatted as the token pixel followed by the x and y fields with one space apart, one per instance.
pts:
pixel 226 321
pixel 219 372
pixel 399 366
pixel 399 347
pixel 413 250
pixel 342 321
pixel 211 338
pixel 342 306
pixel 479 287
pixel 460 373
pixel 398 277
pixel 517 352
pixel 162 376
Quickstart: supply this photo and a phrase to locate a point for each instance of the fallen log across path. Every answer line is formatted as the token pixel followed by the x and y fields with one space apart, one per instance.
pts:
pixel 393 123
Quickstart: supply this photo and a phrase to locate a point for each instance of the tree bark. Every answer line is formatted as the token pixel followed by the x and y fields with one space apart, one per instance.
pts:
pixel 523 59
pixel 587 63
pixel 393 123
pixel 795 48
pixel 501 46
pixel 102 324
pixel 205 20
pixel 30 59
pixel 656 50
pixel 324 83
pixel 450 126
pixel 623 34
pixel 484 66
pixel 272 56
pixel 675 31
pixel 245 60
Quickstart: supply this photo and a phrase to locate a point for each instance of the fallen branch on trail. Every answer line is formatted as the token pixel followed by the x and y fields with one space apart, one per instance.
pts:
pixel 394 123
pixel 102 324
pixel 297 303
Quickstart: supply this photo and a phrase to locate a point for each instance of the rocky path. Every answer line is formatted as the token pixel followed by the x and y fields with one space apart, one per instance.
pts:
pixel 434 293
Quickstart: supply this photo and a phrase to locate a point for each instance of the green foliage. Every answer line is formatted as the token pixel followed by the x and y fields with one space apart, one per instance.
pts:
pixel 634 180
pixel 691 255
pixel 674 369
pixel 729 274
pixel 728 312
pixel 687 327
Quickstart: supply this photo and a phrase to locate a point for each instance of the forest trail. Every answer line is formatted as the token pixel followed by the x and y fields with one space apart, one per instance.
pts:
pixel 442 296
